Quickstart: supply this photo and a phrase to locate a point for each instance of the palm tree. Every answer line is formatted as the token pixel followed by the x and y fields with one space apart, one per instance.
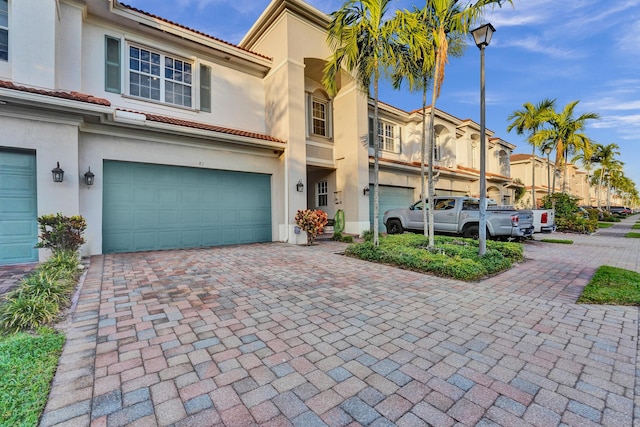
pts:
pixel 363 42
pixel 446 20
pixel 529 120
pixel 605 155
pixel 416 67
pixel 565 132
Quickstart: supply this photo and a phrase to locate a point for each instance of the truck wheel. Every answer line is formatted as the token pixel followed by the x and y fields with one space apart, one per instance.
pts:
pixel 394 226
pixel 471 232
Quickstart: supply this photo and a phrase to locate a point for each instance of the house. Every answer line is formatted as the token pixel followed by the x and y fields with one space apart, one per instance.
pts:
pixel 193 141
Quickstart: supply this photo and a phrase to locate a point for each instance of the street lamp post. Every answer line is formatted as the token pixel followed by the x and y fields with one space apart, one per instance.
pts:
pixel 482 37
pixel 547 151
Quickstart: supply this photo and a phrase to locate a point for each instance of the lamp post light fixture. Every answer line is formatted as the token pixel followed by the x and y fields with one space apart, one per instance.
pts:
pixel 482 37
pixel 89 177
pixel 57 173
pixel 547 151
pixel 300 186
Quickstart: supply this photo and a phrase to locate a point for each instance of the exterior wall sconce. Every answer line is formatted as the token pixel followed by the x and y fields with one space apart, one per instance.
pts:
pixel 58 174
pixel 89 177
pixel 300 186
pixel 365 191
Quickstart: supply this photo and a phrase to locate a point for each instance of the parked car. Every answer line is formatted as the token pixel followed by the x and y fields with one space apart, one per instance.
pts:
pixel 544 220
pixel 620 210
pixel 460 215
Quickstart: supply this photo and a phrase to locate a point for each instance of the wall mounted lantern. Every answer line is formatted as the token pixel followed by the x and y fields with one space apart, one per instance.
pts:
pixel 365 191
pixel 89 177
pixel 58 174
pixel 300 186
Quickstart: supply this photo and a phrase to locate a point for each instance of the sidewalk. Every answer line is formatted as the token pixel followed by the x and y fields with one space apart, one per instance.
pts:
pixel 279 335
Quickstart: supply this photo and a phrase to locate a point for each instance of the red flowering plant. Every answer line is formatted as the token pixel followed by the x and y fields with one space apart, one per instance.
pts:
pixel 312 221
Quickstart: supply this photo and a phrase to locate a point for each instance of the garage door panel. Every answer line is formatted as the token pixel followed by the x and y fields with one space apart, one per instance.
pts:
pixel 389 198
pixel 16 228
pixel 18 207
pixel 191 216
pixel 196 207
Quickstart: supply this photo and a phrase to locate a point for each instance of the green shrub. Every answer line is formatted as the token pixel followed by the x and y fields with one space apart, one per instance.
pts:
pixel 41 294
pixel 24 311
pixel 452 257
pixel 339 237
pixel 576 223
pixel 61 233
pixel 367 235
pixel 609 218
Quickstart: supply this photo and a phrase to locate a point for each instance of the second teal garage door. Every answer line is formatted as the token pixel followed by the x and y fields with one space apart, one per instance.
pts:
pixel 150 207
pixel 390 198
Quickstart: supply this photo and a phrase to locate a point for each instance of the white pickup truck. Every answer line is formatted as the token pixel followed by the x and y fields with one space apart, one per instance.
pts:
pixel 460 215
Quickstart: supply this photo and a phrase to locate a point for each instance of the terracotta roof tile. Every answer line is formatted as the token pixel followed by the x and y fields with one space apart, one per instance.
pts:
pixel 73 96
pixel 519 157
pixel 205 126
pixel 151 15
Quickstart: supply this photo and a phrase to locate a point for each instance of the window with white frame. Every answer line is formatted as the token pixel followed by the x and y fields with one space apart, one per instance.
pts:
pixel 4 30
pixel 323 193
pixel 319 117
pixel 159 77
pixel 389 136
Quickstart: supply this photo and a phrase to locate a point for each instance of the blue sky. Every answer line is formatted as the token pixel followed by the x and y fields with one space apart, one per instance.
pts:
pixel 586 50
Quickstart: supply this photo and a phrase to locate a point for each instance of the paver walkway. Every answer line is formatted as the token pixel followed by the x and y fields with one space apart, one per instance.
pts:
pixel 279 335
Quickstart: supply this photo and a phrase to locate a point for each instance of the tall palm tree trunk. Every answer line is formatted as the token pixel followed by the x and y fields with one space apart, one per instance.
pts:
pixel 432 131
pixel 423 193
pixel 376 166
pixel 533 178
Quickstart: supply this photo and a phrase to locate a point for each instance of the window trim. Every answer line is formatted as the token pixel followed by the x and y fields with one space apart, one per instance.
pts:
pixel 322 189
pixel 328 109
pixel 382 138
pixel 163 79
pixel 6 29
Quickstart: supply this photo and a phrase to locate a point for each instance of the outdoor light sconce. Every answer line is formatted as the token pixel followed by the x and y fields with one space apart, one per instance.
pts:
pixel 88 177
pixel 58 174
pixel 300 186
pixel 365 191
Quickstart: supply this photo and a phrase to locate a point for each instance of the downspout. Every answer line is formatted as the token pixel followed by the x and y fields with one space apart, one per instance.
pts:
pixel 286 195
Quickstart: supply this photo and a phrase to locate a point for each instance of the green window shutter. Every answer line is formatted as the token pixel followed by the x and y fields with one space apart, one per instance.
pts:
pixel 370 131
pixel 205 88
pixel 112 81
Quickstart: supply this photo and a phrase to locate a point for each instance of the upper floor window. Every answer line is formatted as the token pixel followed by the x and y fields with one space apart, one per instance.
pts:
pixel 159 77
pixel 319 117
pixel 4 30
pixel 388 136
pixel 319 114
pixel 156 76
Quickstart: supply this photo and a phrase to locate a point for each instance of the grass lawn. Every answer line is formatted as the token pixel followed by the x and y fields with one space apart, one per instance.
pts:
pixel 27 365
pixel 605 224
pixel 633 235
pixel 453 257
pixel 563 241
pixel 636 226
pixel 612 285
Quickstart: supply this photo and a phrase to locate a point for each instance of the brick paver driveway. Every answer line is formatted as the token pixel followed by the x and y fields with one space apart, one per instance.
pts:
pixel 280 335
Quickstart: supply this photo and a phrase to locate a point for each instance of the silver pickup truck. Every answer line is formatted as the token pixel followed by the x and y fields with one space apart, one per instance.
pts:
pixel 460 215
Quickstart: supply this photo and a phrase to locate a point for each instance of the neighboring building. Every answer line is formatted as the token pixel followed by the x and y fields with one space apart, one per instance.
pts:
pixel 195 141
pixel 577 182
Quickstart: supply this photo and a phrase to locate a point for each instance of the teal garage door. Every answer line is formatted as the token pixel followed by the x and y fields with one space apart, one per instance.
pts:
pixel 18 207
pixel 150 207
pixel 390 198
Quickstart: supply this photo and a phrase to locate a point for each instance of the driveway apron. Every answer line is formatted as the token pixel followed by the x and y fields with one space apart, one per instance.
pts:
pixel 283 335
